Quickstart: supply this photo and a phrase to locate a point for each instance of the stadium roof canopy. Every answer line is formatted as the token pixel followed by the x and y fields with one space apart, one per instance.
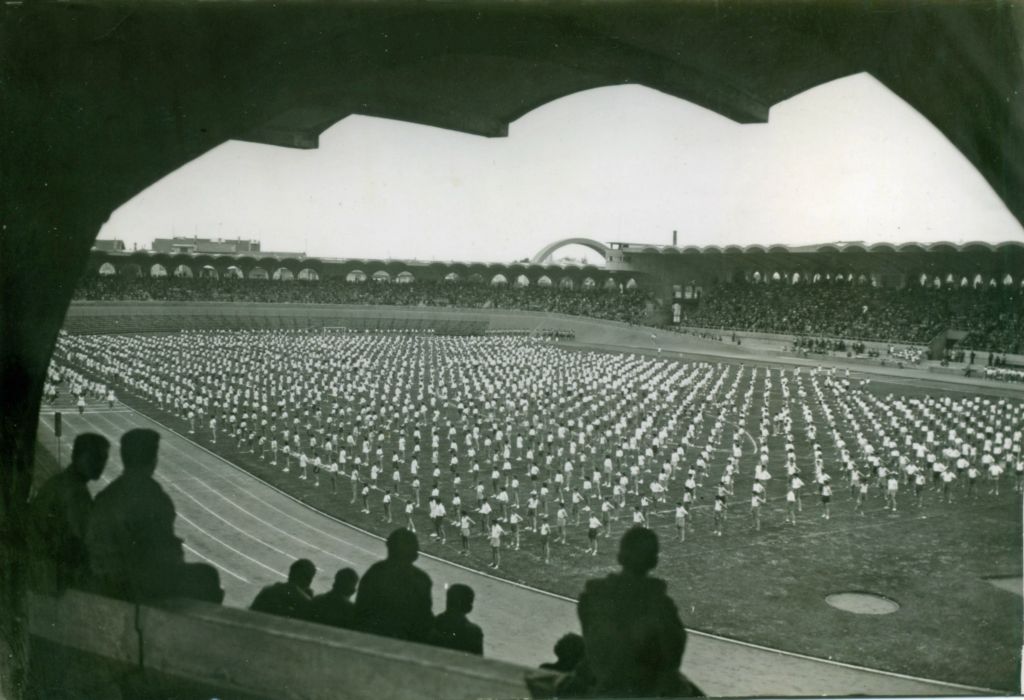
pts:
pixel 828 248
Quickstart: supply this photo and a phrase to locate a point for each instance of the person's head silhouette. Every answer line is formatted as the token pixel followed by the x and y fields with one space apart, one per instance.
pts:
pixel 89 455
pixel 569 650
pixel 345 581
pixel 139 450
pixel 403 547
pixel 460 599
pixel 638 550
pixel 301 573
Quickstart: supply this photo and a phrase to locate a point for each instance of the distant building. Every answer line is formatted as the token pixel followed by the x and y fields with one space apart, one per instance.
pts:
pixel 204 245
pixel 113 245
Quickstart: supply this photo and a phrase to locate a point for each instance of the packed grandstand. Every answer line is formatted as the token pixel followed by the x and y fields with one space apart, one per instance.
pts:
pixel 991 316
pixel 628 305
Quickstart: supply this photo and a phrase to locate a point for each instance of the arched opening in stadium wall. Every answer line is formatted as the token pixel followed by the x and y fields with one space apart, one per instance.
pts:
pixel 129 97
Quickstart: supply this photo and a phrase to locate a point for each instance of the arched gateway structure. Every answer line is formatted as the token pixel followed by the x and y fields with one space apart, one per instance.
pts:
pixel 547 251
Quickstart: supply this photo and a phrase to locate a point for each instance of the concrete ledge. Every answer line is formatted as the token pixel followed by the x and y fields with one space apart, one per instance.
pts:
pixel 86 622
pixel 265 656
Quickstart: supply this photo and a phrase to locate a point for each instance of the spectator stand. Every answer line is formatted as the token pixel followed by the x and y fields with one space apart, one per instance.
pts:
pixel 987 317
pixel 628 305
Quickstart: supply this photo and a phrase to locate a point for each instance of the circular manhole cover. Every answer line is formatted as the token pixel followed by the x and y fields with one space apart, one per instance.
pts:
pixel 863 603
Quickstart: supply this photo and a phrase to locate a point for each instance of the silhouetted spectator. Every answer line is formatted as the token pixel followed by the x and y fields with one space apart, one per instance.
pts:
pixel 60 517
pixel 394 596
pixel 335 607
pixel 633 636
pixel 452 628
pixel 133 551
pixel 291 598
pixel 568 652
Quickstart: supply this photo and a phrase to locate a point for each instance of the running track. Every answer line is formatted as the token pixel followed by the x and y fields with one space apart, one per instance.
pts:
pixel 251 532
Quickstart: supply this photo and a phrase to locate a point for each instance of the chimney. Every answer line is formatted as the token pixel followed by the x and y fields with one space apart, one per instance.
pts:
pixel 675 238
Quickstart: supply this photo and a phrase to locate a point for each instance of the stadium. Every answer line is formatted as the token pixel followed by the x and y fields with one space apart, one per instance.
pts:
pixel 825 438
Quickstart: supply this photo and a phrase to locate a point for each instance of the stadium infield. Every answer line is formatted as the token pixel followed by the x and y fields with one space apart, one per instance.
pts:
pixel 770 587
pixel 251 531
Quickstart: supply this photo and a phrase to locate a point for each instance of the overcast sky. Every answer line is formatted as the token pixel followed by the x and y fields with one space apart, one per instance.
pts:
pixel 846 161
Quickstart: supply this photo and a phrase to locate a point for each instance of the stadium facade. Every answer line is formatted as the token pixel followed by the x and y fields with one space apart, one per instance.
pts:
pixel 669 273
pixel 285 266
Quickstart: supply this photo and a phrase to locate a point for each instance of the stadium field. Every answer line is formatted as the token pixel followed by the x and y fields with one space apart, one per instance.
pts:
pixel 769 586
pixel 251 531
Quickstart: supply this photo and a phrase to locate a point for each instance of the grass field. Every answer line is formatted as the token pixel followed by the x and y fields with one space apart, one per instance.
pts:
pixel 770 587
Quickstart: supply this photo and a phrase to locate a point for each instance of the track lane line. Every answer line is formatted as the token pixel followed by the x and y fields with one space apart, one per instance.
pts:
pixel 226 545
pixel 189 521
pixel 213 563
pixel 271 525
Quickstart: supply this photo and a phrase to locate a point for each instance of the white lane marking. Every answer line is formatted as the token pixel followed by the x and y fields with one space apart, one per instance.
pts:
pixel 266 523
pixel 211 561
pixel 247 475
pixel 225 544
pixel 191 460
pixel 186 519
pixel 287 555
pixel 557 596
